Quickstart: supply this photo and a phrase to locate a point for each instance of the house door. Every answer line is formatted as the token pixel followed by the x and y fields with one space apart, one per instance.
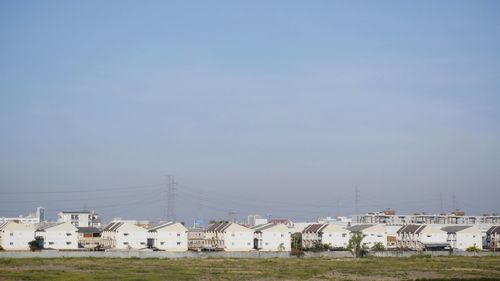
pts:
pixel 150 243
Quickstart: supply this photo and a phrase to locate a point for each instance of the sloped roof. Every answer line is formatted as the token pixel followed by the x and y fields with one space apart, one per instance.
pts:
pixel 267 226
pixel 3 224
pixel 316 227
pixel 161 225
pixel 455 228
pixel 77 212
pixel 219 227
pixel 88 230
pixel 44 226
pixel 411 228
pixel 113 226
pixel 360 227
pixel 493 229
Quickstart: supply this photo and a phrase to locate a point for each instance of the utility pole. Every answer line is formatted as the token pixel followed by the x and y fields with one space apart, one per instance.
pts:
pixel 337 213
pixel 356 200
pixel 171 198
pixel 441 209
pixel 454 202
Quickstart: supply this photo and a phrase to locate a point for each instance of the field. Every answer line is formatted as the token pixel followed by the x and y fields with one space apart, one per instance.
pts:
pixel 422 268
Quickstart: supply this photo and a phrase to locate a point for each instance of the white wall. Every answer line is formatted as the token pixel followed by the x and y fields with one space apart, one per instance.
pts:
pixel 170 240
pixel 238 240
pixel 275 240
pixel 16 237
pixel 61 237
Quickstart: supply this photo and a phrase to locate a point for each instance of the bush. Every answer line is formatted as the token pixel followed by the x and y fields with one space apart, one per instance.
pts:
pixel 377 247
pixel 472 249
pixel 36 245
pixel 318 247
pixel 1 249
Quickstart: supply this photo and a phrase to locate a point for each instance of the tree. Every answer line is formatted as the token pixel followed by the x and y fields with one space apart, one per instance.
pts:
pixel 297 249
pixel 356 245
pixel 378 247
pixel 36 245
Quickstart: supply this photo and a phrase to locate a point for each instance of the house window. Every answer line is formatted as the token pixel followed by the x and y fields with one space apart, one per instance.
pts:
pixel 344 234
pixel 232 244
pixel 11 243
pixel 68 234
pixel 125 243
pixel 68 243
pixel 282 235
pixel 51 243
pixel 178 243
pixel 379 235
pixel 248 244
pixel 267 244
pixel 329 235
pixel 232 235
pixel 125 234
pixel 161 243
pixel 12 234
pixel 178 234
pixel 428 235
pixel 142 243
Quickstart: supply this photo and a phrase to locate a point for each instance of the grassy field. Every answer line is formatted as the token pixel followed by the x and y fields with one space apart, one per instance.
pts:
pixel 435 268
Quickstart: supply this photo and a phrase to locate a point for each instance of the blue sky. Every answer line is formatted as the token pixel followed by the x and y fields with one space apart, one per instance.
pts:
pixel 269 107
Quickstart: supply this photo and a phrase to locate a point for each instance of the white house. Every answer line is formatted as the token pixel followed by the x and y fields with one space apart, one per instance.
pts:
pixel 61 236
pixel 16 236
pixel 461 237
pixel 228 236
pixel 80 218
pixel 170 236
pixel 421 237
pixel 333 235
pixel 124 235
pixel 493 237
pixel 272 237
pixel 372 234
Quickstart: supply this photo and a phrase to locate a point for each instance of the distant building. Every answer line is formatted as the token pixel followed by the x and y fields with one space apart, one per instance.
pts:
pixel 457 217
pixel 16 236
pixel 372 234
pixel 228 236
pixel 461 237
pixel 196 239
pixel 272 237
pixel 170 236
pixel 325 234
pixel 422 237
pixel 60 236
pixel 32 218
pixel 124 235
pixel 89 237
pixel 254 220
pixel 493 238
pixel 80 218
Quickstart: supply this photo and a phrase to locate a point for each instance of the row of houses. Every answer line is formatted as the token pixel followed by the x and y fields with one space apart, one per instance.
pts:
pixel 229 236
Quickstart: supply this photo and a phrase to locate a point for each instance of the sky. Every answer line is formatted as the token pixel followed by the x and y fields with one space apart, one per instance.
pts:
pixel 277 108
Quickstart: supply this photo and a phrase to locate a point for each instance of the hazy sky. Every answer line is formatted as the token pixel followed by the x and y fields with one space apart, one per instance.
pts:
pixel 278 108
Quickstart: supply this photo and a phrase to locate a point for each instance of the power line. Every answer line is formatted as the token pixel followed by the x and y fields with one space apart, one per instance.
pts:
pixel 83 190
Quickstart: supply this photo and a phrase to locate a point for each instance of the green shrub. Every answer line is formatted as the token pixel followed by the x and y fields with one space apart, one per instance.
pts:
pixel 472 249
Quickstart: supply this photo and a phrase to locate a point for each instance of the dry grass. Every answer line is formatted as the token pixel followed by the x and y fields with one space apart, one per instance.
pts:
pixel 423 268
